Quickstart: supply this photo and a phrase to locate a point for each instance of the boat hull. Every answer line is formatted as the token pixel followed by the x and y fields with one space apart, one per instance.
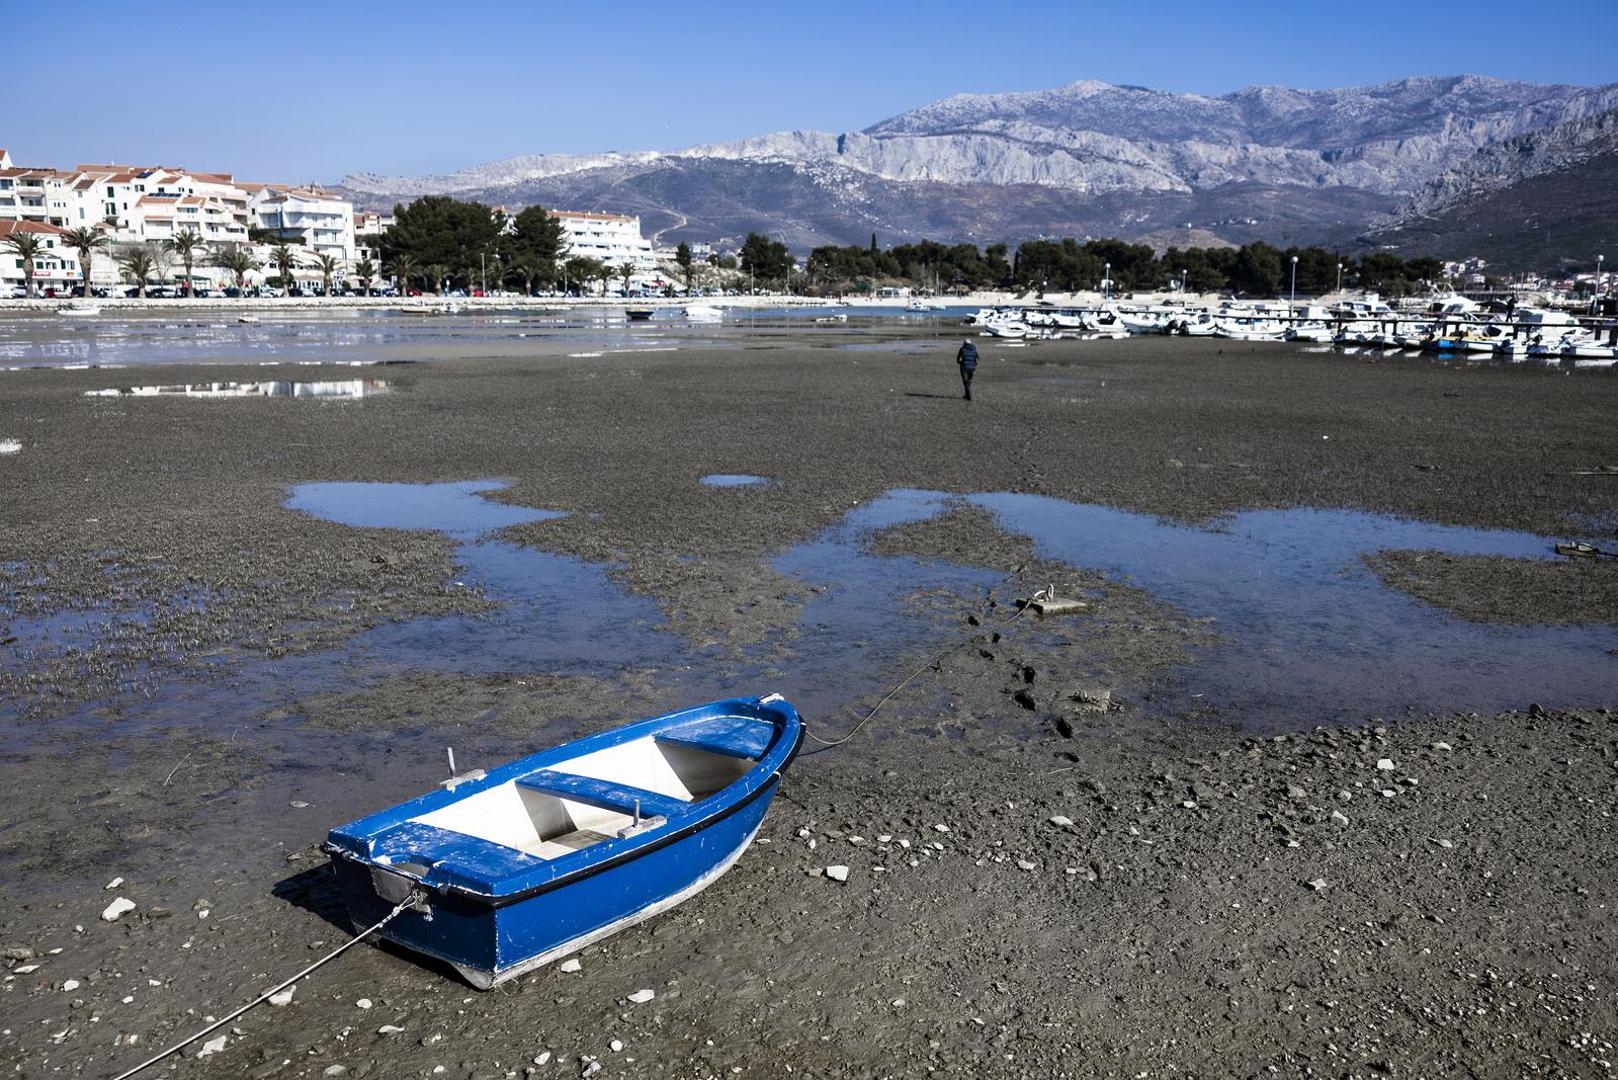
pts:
pixel 488 943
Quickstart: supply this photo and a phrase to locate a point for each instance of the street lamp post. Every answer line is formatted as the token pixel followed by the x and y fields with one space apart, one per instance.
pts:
pixel 1106 281
pixel 1293 303
pixel 1182 280
pixel 1339 281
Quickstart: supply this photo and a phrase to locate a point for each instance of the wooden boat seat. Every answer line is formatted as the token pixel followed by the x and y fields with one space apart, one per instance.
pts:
pixel 452 858
pixel 603 793
pixel 732 736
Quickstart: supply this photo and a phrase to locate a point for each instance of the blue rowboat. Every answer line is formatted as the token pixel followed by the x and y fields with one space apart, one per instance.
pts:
pixel 536 859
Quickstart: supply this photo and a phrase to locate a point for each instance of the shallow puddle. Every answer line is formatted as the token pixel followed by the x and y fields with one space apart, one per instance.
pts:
pixel 456 507
pixel 731 480
pixel 1312 634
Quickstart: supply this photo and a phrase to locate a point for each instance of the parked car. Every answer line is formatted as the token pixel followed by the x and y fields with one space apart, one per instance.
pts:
pixel 15 292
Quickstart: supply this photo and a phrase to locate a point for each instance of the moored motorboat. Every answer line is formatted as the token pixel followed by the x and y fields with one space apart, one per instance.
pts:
pixel 79 310
pixel 538 858
pixel 639 314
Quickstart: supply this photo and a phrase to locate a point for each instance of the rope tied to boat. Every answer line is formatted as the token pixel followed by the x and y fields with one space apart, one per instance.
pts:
pixel 830 744
pixel 416 899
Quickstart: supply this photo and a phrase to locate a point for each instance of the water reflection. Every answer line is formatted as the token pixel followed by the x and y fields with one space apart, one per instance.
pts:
pixel 335 389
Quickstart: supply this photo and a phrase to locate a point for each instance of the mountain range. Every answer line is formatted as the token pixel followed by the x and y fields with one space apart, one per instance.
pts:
pixel 1403 165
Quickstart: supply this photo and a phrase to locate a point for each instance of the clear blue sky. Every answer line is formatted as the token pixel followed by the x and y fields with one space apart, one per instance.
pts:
pixel 299 91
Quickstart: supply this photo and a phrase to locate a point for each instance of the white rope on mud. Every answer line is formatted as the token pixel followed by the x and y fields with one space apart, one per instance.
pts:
pixel 408 902
pixel 829 744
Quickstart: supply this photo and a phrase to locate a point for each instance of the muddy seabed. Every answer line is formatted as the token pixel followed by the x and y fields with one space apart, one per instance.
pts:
pixel 1153 838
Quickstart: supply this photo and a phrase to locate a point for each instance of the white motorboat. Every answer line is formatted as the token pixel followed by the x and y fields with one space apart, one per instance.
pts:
pixel 707 312
pixel 1145 322
pixel 79 310
pixel 1309 330
pixel 1006 329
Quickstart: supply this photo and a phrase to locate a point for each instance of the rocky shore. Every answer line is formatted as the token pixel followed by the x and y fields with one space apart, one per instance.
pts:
pixel 1051 856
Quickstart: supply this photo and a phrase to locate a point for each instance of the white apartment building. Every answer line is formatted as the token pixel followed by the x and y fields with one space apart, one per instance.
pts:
pixel 323 223
pixel 56 269
pixel 33 194
pixel 614 239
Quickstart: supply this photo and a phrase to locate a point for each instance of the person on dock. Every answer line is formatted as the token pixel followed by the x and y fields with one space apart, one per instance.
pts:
pixel 966 358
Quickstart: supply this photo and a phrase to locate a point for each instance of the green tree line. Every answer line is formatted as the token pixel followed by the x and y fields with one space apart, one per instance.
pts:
pixel 1068 265
pixel 439 242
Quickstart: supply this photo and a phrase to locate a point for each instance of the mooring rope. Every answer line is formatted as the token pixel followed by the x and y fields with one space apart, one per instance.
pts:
pixel 408 902
pixel 829 744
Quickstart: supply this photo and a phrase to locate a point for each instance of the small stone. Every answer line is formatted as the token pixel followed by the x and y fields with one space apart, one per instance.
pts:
pixel 1189 804
pixel 213 1046
pixel 1296 792
pixel 641 997
pixel 1385 764
pixel 70 985
pixel 1442 746
pixel 899 1003
pixel 836 873
pixel 298 804
pixel 334 1070
pixel 543 1058
pixel 1388 793
pixel 389 1029
pixel 113 884
pixel 591 1069
pixel 1062 822
pixel 941 827
pixel 568 967
pixel 616 1046
pixel 117 909
pixel 1339 817
pixel 1026 866
pixel 283 998
pixel 363 1003
pixel 18 952
pixel 1318 885
pixel 1445 844
pixel 884 838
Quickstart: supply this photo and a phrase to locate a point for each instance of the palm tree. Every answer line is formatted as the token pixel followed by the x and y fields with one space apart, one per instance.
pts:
pixel 328 267
pixel 435 273
pixel 606 274
pixel 403 267
pixel 86 241
pixel 365 270
pixel 237 263
pixel 138 263
pixel 286 261
pixel 187 244
pixel 627 271
pixel 28 247
pixel 523 272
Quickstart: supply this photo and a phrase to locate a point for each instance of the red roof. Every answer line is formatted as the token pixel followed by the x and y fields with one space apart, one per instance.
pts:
pixel 9 227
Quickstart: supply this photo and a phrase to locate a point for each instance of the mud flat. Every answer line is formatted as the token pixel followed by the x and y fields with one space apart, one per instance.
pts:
pixel 1156 835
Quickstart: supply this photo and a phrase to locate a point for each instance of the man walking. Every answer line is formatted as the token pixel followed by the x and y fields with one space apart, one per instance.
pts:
pixel 966 358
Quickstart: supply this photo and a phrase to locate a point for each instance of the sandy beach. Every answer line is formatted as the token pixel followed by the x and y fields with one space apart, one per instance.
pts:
pixel 1320 782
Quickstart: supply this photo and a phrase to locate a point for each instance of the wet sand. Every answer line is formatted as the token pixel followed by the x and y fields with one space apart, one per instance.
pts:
pixel 1461 924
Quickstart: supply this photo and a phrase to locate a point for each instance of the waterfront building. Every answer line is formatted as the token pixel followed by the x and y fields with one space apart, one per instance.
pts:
pixel 614 239
pixel 56 269
pixel 322 223
pixel 33 194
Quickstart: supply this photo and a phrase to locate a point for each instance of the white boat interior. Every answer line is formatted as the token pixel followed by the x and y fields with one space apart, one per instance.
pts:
pixel 603 795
